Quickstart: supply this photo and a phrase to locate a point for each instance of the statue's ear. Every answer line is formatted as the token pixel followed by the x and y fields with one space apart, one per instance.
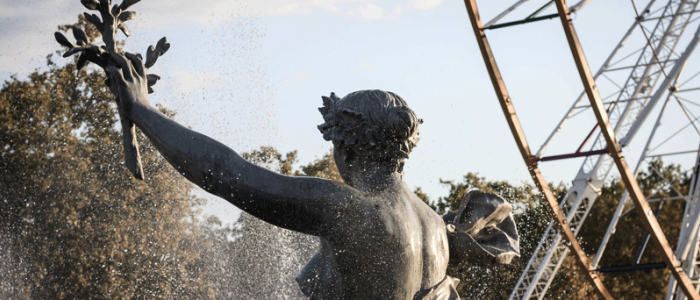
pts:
pixel 402 123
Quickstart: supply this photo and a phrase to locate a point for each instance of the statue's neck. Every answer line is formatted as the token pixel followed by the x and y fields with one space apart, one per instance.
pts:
pixel 374 178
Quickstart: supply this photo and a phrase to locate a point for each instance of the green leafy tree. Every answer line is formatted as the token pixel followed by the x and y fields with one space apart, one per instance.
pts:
pixel 69 210
pixel 624 244
pixel 496 282
pixel 323 167
pixel 270 158
pixel 479 282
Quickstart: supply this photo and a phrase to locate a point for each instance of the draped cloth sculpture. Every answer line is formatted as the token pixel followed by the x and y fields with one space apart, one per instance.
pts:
pixel 482 230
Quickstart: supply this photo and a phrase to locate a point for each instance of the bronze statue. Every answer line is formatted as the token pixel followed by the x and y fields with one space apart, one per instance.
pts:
pixel 378 240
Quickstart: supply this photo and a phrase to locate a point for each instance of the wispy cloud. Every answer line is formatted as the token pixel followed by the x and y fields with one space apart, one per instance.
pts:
pixel 366 9
pixel 371 12
pixel 27 26
pixel 286 7
pixel 425 4
pixel 375 12
pixel 290 9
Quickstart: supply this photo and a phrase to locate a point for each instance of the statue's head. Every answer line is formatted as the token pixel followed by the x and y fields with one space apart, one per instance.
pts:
pixel 370 126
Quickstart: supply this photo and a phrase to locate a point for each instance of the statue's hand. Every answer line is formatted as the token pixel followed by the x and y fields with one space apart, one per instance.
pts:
pixel 129 82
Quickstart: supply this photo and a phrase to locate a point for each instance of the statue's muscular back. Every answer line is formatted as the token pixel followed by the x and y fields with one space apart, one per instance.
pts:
pixel 388 245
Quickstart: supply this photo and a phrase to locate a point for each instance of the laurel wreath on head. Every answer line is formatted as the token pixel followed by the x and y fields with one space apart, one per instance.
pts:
pixel 386 136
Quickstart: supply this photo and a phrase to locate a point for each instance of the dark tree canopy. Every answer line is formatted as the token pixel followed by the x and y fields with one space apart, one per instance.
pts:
pixel 82 227
pixel 624 244
pixel 481 282
pixel 532 218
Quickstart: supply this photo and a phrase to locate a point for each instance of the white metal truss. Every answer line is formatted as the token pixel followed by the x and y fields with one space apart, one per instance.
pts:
pixel 624 199
pixel 635 93
pixel 689 241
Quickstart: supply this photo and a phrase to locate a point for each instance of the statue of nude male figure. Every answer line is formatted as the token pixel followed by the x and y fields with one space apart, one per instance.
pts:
pixel 378 239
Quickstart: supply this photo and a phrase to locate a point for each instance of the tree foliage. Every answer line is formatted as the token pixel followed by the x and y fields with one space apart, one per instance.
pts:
pixel 532 218
pixel 496 282
pixel 70 211
pixel 323 167
pixel 625 243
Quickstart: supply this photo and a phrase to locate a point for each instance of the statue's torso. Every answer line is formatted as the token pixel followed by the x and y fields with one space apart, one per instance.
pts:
pixel 389 246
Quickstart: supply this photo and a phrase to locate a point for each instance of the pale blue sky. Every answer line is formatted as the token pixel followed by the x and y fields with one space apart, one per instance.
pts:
pixel 252 73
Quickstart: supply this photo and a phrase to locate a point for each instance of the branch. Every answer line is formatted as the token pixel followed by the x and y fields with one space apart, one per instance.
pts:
pixel 112 19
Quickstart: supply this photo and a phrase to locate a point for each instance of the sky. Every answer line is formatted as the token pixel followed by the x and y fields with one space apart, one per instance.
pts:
pixel 252 73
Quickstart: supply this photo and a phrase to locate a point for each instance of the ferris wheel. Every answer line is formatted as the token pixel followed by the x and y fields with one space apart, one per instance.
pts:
pixel 649 78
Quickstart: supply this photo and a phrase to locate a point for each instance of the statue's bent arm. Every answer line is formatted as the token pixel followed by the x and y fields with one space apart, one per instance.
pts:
pixel 302 204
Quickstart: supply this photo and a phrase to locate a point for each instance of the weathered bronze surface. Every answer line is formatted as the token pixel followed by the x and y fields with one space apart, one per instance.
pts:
pixel 378 239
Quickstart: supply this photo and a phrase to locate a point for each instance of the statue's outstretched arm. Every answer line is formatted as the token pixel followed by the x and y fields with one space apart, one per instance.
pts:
pixel 303 204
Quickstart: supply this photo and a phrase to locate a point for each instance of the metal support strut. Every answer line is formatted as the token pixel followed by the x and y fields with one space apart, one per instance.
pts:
pixel 632 96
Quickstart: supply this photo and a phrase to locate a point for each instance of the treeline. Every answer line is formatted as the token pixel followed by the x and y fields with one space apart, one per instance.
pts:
pixel 75 225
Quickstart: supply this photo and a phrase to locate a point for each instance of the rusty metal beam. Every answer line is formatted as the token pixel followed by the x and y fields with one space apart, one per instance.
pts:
pixel 645 212
pixel 530 160
pixel 573 155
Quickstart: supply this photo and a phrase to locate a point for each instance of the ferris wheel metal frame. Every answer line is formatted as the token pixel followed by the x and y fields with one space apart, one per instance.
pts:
pixel 654 75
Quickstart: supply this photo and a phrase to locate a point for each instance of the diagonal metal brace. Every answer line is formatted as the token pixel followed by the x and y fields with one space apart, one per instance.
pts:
pixel 519 135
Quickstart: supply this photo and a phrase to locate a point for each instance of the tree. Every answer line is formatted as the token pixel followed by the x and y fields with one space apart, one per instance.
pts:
pixel 323 167
pixel 82 227
pixel 623 246
pixel 531 217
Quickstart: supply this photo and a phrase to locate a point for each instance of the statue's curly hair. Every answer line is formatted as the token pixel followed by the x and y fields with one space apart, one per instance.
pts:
pixel 375 124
